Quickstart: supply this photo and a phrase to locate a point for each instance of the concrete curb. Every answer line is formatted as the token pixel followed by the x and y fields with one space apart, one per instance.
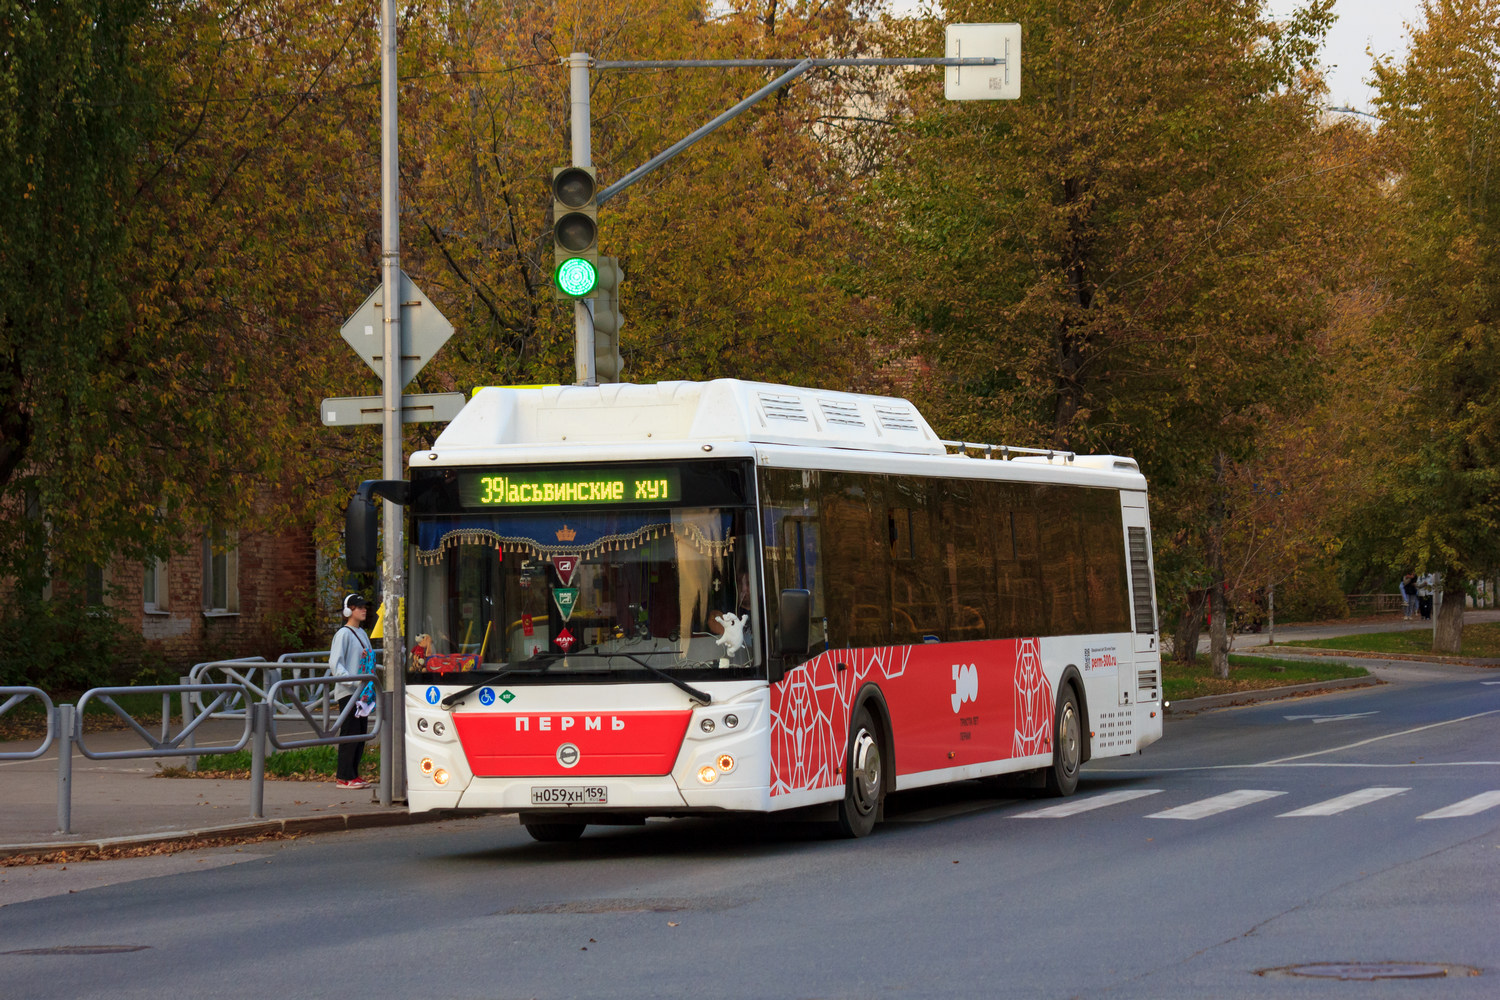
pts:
pixel 1190 705
pixel 1365 654
pixel 253 828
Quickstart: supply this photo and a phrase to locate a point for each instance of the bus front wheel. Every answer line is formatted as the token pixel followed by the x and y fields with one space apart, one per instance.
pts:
pixel 864 778
pixel 555 833
pixel 1067 746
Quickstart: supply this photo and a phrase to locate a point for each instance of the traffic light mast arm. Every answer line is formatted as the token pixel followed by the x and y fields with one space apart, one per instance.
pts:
pixel 798 67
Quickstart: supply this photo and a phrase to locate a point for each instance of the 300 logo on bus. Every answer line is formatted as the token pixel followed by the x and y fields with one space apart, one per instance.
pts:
pixel 965 684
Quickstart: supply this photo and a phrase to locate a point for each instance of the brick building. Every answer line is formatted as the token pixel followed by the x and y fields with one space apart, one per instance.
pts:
pixel 232 596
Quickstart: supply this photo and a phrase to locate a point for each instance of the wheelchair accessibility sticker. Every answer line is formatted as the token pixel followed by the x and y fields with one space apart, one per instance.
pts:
pixel 432 695
pixel 487 697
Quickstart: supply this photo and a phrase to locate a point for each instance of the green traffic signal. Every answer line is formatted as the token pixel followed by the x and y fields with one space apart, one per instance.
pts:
pixel 575 277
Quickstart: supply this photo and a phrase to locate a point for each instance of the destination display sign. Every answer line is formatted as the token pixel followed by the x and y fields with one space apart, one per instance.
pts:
pixel 554 487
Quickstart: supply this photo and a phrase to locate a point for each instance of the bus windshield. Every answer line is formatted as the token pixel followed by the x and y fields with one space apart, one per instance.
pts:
pixel 576 590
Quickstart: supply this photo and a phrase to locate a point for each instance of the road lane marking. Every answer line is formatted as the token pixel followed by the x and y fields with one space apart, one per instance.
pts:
pixel 1319 719
pixel 1377 739
pixel 1088 802
pixel 1344 802
pixel 1217 804
pixel 1468 807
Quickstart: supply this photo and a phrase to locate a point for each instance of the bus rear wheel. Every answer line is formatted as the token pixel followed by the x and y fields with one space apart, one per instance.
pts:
pixel 555 833
pixel 1067 746
pixel 864 778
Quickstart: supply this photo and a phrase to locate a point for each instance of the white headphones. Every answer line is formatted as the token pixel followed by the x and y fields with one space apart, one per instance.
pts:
pixel 348 611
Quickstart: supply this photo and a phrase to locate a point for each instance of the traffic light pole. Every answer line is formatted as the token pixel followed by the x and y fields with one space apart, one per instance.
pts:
pixel 583 156
pixel 579 64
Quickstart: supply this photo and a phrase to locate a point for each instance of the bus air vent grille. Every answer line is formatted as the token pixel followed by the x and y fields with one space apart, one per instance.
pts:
pixel 778 407
pixel 894 419
pixel 843 414
pixel 1146 684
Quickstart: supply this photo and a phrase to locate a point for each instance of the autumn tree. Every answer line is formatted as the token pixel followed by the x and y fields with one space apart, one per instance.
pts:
pixel 1441 111
pixel 1132 257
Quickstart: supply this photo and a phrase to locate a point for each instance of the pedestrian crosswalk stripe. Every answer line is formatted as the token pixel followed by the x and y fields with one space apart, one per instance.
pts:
pixel 1344 802
pixel 1468 807
pixel 1088 802
pixel 1216 804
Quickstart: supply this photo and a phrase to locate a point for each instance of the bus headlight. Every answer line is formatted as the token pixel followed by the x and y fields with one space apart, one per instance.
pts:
pixel 707 725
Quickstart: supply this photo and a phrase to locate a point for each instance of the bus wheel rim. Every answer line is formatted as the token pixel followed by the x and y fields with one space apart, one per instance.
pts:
pixel 865 764
pixel 1067 742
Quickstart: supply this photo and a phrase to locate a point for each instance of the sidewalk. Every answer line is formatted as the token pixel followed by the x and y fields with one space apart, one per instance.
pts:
pixel 122 803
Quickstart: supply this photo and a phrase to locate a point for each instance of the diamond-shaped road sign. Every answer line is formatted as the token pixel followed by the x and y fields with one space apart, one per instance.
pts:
pixel 1001 82
pixel 423 331
pixel 416 408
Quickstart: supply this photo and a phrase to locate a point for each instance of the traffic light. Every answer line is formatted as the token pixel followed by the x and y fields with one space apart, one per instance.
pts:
pixel 575 231
pixel 607 321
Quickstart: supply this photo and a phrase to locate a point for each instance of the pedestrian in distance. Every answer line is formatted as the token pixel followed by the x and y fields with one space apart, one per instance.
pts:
pixel 351 654
pixel 1409 596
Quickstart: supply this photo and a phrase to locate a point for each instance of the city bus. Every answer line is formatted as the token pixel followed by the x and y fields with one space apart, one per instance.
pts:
pixel 691 598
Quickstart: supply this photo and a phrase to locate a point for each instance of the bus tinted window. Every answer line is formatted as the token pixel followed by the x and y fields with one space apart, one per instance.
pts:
pixel 908 559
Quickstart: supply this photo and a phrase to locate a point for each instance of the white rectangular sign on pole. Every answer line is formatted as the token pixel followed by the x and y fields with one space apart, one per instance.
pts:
pixel 416 408
pixel 1000 82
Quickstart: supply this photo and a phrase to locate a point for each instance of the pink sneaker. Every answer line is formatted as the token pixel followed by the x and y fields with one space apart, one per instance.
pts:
pixel 356 783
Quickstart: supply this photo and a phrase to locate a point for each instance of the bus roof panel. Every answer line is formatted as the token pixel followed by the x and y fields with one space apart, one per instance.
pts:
pixel 722 410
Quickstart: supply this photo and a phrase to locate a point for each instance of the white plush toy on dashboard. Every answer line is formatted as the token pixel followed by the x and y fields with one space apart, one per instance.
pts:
pixel 733 639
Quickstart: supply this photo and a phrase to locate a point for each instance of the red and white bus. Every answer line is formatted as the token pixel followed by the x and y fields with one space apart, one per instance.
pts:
pixel 717 597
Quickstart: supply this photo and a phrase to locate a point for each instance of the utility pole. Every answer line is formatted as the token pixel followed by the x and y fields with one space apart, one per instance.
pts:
pixel 393 584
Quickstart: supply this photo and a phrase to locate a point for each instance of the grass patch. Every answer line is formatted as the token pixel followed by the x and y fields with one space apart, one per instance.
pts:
pixel 1246 673
pixel 1479 640
pixel 301 764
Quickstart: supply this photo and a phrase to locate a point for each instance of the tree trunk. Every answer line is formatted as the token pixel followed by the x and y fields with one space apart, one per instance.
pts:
pixel 1448 623
pixel 1218 632
pixel 1189 627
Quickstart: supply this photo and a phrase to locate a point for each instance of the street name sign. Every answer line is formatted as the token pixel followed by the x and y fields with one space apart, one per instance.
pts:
pixel 416 408
pixel 423 331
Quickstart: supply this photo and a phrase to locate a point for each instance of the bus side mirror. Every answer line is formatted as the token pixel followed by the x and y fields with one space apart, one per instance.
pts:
pixel 362 522
pixel 795 619
pixel 361 527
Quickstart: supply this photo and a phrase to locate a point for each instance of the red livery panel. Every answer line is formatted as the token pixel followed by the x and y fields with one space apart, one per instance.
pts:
pixel 951 704
pixel 517 744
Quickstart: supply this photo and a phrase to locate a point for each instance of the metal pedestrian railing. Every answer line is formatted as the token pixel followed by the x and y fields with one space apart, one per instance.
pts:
pixel 279 701
pixel 14 696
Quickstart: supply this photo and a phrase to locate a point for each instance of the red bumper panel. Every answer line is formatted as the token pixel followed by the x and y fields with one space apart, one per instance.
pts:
pixel 516 744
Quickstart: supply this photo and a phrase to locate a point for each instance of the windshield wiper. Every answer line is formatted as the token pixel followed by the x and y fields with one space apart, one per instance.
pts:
pixel 692 692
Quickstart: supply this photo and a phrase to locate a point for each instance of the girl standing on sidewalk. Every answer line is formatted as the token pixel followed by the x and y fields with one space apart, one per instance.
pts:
pixel 351 654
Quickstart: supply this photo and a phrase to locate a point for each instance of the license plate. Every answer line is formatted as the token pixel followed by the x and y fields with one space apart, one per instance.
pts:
pixel 569 795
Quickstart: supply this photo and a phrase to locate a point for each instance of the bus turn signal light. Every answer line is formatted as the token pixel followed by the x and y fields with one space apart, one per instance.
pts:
pixel 440 776
pixel 725 762
pixel 427 765
pixel 707 774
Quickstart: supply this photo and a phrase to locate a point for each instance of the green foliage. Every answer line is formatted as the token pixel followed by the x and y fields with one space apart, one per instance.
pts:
pixel 60 645
pixel 303 625
pixel 1442 111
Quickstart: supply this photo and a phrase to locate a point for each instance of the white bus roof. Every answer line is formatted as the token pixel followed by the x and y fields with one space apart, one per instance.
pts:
pixel 503 424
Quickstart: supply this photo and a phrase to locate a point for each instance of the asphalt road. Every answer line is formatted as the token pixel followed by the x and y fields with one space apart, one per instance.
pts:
pixel 1315 830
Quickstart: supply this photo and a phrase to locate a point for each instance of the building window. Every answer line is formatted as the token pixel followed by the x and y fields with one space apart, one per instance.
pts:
pixel 221 564
pixel 154 587
pixel 93 584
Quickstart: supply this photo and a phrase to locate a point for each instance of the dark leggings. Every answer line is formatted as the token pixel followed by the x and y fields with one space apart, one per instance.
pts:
pixel 350 753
